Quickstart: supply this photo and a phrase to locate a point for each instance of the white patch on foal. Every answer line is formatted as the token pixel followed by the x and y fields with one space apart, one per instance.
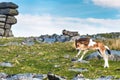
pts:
pixel 91 43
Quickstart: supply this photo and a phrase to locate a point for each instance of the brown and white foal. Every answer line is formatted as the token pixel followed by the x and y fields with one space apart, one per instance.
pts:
pixel 85 44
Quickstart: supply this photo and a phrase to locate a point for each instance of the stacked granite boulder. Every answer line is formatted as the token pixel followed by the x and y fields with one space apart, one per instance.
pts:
pixel 7 12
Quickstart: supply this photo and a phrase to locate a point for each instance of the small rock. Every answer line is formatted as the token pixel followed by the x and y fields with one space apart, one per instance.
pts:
pixel 73 59
pixel 67 56
pixel 81 61
pixel 106 78
pixel 78 69
pixel 54 77
pixel 39 39
pixel 79 77
pixel 6 64
pixel 28 41
pixel 3 75
pixel 28 76
pixel 56 66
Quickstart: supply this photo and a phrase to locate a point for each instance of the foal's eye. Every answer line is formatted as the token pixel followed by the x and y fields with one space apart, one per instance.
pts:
pixel 77 45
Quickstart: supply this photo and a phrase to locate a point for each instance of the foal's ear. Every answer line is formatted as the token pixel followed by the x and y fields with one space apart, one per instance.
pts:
pixel 75 43
pixel 76 39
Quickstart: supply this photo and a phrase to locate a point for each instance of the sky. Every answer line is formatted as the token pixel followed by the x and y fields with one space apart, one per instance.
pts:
pixel 40 17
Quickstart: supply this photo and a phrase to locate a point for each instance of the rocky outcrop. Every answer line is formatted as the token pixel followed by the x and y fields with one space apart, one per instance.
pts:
pixel 49 39
pixel 7 12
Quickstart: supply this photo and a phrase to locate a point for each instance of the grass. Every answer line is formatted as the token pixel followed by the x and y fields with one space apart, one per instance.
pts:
pixel 42 58
pixel 113 43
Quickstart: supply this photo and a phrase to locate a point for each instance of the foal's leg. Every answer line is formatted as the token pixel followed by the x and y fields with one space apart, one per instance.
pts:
pixel 106 61
pixel 83 55
pixel 105 57
pixel 78 53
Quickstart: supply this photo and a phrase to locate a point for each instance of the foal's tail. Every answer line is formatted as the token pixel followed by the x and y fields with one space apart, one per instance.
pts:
pixel 108 50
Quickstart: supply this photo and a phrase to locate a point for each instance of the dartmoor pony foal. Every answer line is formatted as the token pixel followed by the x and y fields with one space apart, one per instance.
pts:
pixel 85 44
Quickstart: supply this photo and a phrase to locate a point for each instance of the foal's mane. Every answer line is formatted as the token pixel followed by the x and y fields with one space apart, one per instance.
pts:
pixel 84 41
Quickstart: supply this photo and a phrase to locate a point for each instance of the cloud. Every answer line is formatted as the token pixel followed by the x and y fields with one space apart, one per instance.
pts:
pixel 108 3
pixel 36 25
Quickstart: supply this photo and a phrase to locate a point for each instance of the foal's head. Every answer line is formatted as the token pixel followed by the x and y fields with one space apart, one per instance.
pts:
pixel 81 43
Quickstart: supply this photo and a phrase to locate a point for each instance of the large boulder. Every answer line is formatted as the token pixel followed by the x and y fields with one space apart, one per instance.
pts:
pixel 75 38
pixel 1 31
pixel 8 33
pixel 4 5
pixel 7 26
pixel 7 12
pixel 62 38
pixel 115 55
pixel 2 18
pixel 11 20
pixel 70 33
pixel 2 25
pixel 10 12
pixel 49 40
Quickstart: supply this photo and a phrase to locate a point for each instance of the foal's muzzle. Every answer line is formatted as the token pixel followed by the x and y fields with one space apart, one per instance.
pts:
pixel 77 49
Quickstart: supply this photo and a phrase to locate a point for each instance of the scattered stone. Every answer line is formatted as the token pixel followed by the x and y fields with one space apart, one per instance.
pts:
pixel 56 66
pixel 28 41
pixel 55 77
pixel 106 78
pixel 73 59
pixel 81 61
pixel 118 69
pixel 6 64
pixel 67 56
pixel 11 44
pixel 79 77
pixel 3 75
pixel 78 69
pixel 26 76
pixel 49 76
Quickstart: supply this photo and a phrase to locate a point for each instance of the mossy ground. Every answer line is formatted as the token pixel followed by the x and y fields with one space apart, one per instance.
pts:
pixel 42 58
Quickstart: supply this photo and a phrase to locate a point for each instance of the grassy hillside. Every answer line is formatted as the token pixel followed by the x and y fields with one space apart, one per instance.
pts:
pixel 56 58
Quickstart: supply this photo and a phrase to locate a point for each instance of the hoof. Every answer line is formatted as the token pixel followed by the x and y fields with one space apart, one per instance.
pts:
pixel 73 59
pixel 106 67
pixel 79 60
